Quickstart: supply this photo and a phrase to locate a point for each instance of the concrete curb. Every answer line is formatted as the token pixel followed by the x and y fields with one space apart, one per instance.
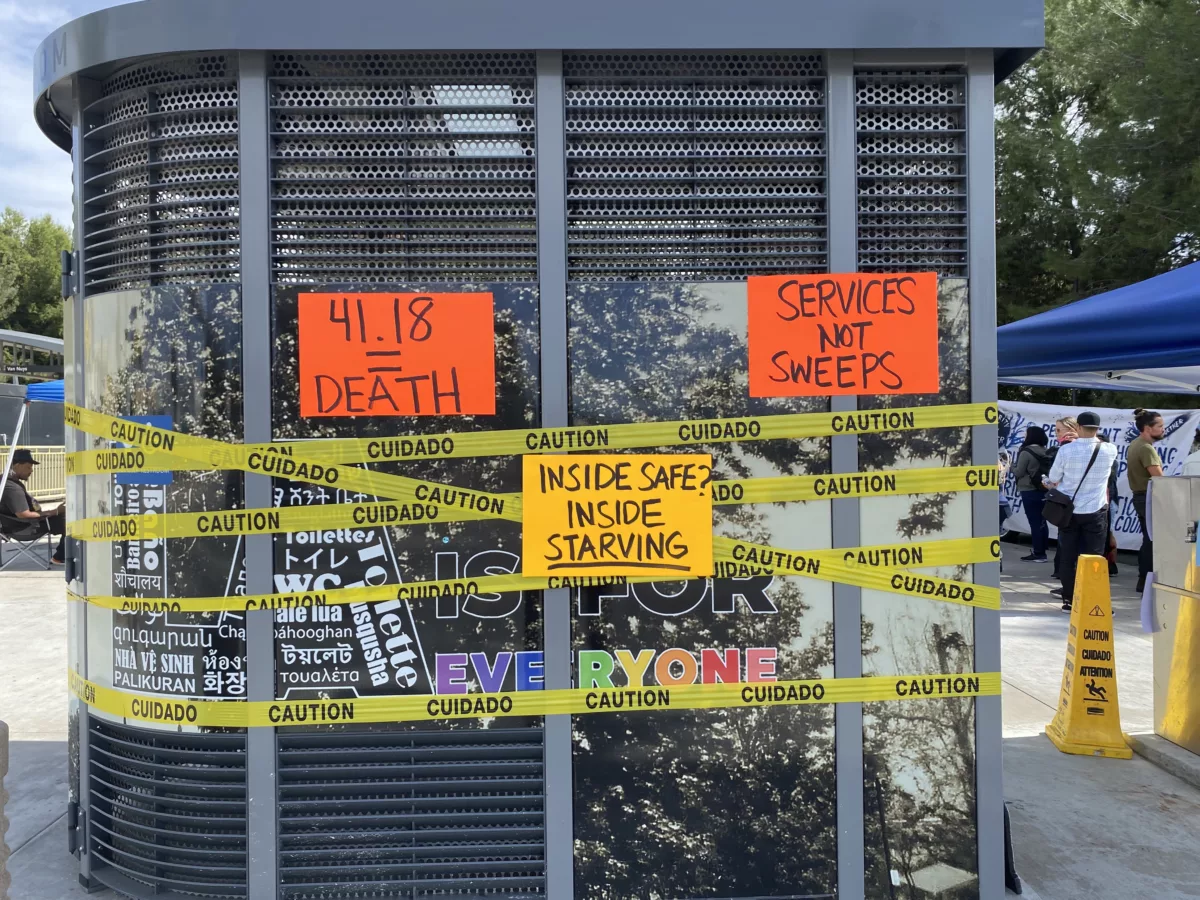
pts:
pixel 1169 757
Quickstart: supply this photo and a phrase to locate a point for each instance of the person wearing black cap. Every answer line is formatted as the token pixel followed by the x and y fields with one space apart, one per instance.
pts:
pixel 23 516
pixel 1081 471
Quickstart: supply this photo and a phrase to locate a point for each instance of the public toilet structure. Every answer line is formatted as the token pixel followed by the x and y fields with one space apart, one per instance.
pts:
pixel 590 189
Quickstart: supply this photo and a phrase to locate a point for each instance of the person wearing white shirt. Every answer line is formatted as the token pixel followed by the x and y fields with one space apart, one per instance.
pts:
pixel 1088 531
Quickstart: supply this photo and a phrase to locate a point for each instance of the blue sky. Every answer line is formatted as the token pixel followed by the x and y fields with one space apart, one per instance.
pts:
pixel 35 176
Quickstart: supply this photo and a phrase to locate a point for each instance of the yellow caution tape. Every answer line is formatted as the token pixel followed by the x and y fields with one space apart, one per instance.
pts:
pixel 856 566
pixel 734 558
pixel 572 701
pixel 156 449
pixel 225 523
pixel 911 555
pixel 407 591
pixel 513 442
pixel 740 559
pixel 249 458
pixel 237 522
pixel 787 488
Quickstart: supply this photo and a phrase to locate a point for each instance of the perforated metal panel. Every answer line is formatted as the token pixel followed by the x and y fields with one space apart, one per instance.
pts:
pixel 448 813
pixel 690 166
pixel 167 811
pixel 161 175
pixel 403 167
pixel 912 171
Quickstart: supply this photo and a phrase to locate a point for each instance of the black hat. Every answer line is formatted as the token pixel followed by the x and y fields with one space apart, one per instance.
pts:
pixel 22 456
pixel 1088 419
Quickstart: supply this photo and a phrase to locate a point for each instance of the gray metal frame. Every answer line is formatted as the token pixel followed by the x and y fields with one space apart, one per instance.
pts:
pixel 847 600
pixel 981 249
pixel 254 191
pixel 84 91
pixel 163 26
pixel 553 350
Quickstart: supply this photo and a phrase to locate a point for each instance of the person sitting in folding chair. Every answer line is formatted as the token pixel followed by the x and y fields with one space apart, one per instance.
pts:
pixel 21 517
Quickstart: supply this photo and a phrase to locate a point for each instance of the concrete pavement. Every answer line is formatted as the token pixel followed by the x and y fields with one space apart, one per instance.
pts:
pixel 1100 829
pixel 33 701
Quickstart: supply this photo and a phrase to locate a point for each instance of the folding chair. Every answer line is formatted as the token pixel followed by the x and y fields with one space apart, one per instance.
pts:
pixel 16 534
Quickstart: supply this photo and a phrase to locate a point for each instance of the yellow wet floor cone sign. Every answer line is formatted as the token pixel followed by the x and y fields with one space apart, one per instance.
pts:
pixel 1088 719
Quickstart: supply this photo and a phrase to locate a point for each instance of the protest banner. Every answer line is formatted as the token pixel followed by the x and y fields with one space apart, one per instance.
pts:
pixel 1117 424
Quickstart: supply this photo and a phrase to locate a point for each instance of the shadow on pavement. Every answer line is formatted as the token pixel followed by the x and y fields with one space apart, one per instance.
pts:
pixel 1100 829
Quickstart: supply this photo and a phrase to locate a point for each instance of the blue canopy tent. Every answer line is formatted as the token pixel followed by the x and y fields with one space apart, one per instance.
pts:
pixel 1143 337
pixel 45 391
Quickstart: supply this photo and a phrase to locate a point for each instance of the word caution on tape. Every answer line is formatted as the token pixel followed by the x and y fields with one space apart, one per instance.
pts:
pixel 789 488
pixel 572 701
pixel 189 449
pixel 587 519
pixel 868 567
pixel 161 448
pixel 170 450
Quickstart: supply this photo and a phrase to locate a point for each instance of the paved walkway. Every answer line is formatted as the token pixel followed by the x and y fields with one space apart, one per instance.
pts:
pixel 33 701
pixel 1082 828
pixel 1100 829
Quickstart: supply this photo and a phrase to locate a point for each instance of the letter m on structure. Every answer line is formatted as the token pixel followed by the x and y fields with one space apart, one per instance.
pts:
pixel 54 54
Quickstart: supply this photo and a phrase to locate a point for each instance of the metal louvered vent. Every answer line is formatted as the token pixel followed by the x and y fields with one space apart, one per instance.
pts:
pixel 413 167
pixel 451 813
pixel 912 171
pixel 161 176
pixel 689 166
pixel 168 811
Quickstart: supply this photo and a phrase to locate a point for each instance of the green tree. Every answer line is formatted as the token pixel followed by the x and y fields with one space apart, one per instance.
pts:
pixel 1038 232
pixel 1133 78
pixel 1098 162
pixel 30 273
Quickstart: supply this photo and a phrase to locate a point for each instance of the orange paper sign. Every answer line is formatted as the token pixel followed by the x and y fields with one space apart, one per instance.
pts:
pixel 384 354
pixel 819 335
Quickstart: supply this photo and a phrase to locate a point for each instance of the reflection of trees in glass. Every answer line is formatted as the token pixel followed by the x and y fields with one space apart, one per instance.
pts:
pixel 936 446
pixel 497 622
pixel 73 751
pixel 646 353
pixel 728 803
pixel 174 351
pixel 919 756
pixel 182 357
pixel 517 404
pixel 717 803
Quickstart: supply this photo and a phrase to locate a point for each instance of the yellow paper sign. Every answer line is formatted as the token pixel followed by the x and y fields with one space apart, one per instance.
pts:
pixel 618 515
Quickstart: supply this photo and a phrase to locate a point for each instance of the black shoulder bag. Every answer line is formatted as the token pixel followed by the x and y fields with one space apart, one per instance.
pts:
pixel 1058 508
